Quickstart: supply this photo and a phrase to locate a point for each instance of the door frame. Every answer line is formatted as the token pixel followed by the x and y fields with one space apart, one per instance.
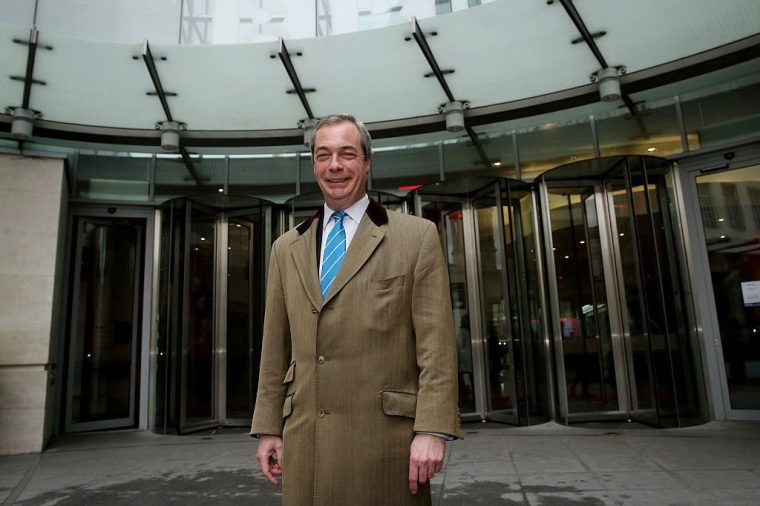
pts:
pixel 213 421
pixel 144 395
pixel 707 326
pixel 614 306
pixel 495 189
pixel 222 270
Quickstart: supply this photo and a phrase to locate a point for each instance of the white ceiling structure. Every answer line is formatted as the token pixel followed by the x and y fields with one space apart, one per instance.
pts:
pixel 508 59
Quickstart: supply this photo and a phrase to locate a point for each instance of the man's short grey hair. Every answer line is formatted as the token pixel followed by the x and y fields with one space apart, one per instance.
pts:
pixel 337 119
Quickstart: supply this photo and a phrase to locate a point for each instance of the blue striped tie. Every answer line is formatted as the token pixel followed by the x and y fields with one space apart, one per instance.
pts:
pixel 335 250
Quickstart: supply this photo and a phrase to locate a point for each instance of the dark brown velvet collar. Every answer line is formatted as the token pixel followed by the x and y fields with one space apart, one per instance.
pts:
pixel 375 211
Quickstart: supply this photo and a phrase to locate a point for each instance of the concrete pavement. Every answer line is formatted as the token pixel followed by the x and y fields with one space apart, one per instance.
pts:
pixel 549 464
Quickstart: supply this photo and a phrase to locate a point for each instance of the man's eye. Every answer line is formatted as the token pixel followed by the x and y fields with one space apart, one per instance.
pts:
pixel 323 157
pixel 349 157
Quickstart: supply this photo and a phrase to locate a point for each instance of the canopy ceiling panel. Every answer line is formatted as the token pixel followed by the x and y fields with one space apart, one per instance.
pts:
pixel 13 58
pixel 501 52
pixel 646 33
pixel 375 74
pixel 507 51
pixel 228 87
pixel 94 83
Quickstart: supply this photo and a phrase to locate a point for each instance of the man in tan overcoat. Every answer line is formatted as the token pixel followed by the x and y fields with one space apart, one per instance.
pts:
pixel 358 381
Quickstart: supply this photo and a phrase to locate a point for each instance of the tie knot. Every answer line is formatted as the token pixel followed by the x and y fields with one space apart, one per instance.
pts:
pixel 338 215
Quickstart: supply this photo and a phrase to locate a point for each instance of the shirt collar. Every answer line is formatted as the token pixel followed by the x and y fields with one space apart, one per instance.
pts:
pixel 355 211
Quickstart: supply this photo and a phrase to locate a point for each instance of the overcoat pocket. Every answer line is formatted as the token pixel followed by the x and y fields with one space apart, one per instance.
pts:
pixel 287 406
pixel 290 374
pixel 384 284
pixel 399 403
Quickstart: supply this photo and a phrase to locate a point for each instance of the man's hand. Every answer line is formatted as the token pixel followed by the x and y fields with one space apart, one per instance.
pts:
pixel 425 459
pixel 269 456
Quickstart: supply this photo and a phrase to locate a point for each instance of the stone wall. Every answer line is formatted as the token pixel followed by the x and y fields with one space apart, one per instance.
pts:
pixel 32 237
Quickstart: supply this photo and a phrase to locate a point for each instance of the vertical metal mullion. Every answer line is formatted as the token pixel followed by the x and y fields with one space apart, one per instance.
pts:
pixel 221 257
pixel 298 173
pixel 661 290
pixel 616 300
pixel 594 300
pixel 521 292
pixel 542 293
pixel 681 124
pixel 477 338
pixel 441 167
pixel 78 231
pixel 644 303
pixel 136 311
pixel 226 174
pixel 152 179
pixel 185 310
pixel 551 278
pixel 516 151
pixel 508 303
pixel 594 136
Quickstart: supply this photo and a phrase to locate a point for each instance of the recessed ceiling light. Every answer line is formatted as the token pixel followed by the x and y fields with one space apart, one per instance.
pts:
pixel 497 164
pixel 221 190
pixel 651 150
pixel 723 237
pixel 721 219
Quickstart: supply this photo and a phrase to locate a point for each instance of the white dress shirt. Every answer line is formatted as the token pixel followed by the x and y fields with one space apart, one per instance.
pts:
pixel 351 221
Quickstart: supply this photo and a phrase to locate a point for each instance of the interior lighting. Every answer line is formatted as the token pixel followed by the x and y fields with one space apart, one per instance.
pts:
pixel 203 238
pixel 721 219
pixel 583 242
pixel 497 164
pixel 221 190
pixel 454 112
pixel 723 237
pixel 609 83
pixel 567 256
pixel 651 150
pixel 22 124
pixel 622 234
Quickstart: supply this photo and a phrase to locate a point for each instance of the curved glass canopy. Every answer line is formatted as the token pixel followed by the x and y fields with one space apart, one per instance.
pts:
pixel 506 59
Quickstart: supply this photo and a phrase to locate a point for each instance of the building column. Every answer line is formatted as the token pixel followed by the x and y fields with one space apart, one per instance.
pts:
pixel 33 202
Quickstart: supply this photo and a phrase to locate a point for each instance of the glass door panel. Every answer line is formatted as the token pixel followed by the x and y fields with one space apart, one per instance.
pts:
pixel 532 376
pixel 245 256
pixel 105 326
pixel 497 315
pixel 589 367
pixel 198 399
pixel 448 218
pixel 730 204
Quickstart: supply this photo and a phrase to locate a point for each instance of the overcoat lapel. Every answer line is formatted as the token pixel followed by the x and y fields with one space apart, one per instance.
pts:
pixel 303 250
pixel 366 240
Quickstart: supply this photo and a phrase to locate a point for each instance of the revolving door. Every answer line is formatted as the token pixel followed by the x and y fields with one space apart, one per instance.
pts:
pixel 620 305
pixel 213 256
pixel 488 229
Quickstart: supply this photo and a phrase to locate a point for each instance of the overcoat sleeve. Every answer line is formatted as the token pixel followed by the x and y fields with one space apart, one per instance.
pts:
pixel 437 398
pixel 275 355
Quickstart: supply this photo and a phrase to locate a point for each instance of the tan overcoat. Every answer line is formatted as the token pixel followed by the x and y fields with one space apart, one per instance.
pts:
pixel 348 381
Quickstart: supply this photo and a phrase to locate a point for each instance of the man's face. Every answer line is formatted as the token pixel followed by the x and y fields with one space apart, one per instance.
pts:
pixel 339 165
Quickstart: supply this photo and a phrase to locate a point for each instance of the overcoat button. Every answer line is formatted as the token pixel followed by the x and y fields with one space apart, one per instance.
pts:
pixel 321 360
pixel 314 310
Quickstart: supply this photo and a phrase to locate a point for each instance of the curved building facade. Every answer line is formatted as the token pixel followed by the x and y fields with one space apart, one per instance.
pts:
pixel 593 169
